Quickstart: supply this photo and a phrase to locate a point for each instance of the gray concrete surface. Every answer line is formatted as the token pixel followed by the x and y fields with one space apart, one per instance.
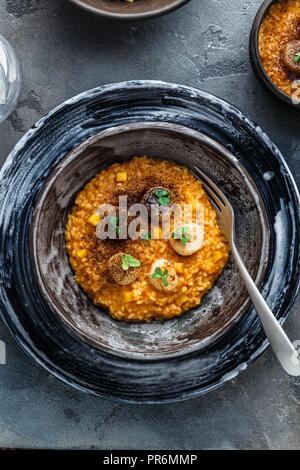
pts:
pixel 205 44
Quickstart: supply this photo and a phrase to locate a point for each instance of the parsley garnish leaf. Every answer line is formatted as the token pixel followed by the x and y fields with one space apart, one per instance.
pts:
pixel 163 275
pixel 182 233
pixel 129 262
pixel 297 57
pixel 114 223
pixel 163 196
pixel 146 236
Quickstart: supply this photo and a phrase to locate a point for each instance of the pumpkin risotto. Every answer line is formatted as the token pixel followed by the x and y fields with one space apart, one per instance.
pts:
pixel 142 279
pixel 279 44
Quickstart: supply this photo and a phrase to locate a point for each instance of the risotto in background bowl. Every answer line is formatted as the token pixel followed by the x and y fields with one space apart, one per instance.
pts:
pixel 68 193
pixel 275 49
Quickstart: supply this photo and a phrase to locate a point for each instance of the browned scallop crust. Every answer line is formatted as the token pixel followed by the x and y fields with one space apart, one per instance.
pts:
pixel 289 53
pixel 140 301
pixel 118 274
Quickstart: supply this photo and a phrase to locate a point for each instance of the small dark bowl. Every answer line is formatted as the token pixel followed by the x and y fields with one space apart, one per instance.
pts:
pixel 137 10
pixel 256 62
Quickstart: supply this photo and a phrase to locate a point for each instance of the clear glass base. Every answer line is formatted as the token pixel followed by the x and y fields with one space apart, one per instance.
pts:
pixel 10 79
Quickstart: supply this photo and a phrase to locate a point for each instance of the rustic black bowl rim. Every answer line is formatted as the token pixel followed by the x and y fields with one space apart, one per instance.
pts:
pixel 97 372
pixel 131 16
pixel 256 62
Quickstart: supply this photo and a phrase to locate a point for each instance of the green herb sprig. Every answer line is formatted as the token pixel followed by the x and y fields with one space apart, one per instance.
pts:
pixel 297 57
pixel 114 223
pixel 163 275
pixel 146 236
pixel 182 234
pixel 163 196
pixel 129 262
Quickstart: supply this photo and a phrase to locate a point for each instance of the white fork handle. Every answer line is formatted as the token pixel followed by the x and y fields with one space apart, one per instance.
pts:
pixel 281 345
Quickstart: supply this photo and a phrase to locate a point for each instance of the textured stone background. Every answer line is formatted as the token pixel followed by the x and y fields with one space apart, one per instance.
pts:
pixel 205 44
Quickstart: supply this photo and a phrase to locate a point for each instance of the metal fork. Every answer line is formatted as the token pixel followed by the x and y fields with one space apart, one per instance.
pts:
pixel 281 345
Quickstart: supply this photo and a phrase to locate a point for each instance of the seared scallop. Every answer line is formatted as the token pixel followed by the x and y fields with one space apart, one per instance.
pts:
pixel 121 272
pixel 187 240
pixel 159 197
pixel 290 57
pixel 163 276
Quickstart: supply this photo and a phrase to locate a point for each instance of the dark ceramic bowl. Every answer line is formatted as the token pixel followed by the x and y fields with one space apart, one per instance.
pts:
pixel 121 119
pixel 137 10
pixel 225 303
pixel 256 62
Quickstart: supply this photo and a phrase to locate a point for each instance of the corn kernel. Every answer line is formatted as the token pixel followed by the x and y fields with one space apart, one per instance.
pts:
pixel 182 299
pixel 217 255
pixel 122 176
pixel 94 219
pixel 82 253
pixel 157 233
pixel 179 267
pixel 196 205
pixel 128 296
